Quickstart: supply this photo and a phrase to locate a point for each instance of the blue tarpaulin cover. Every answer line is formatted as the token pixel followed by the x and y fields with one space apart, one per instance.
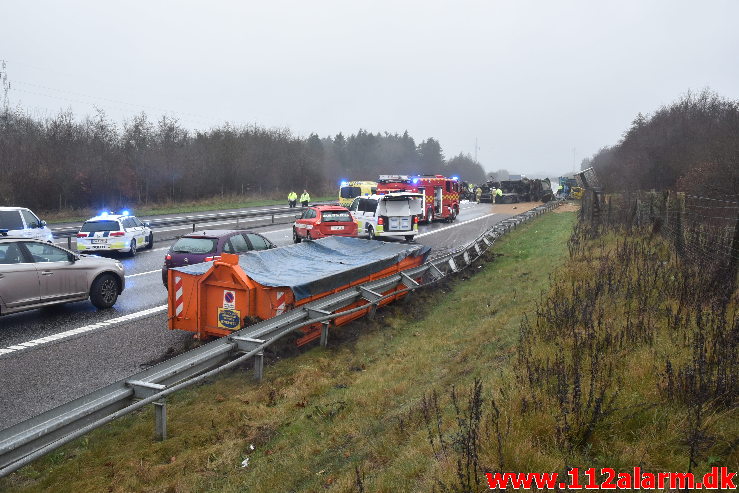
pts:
pixel 314 267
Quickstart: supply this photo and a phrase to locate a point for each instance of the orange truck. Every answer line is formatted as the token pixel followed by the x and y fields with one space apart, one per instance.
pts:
pixel 214 299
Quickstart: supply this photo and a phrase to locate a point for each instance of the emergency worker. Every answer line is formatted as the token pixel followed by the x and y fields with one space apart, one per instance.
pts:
pixel 478 194
pixel 292 199
pixel 304 198
pixel 498 193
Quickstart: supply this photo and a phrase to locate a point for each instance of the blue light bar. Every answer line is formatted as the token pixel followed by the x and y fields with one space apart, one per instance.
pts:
pixel 455 178
pixel 125 212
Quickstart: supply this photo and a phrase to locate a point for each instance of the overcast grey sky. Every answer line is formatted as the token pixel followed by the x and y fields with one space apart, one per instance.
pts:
pixel 531 80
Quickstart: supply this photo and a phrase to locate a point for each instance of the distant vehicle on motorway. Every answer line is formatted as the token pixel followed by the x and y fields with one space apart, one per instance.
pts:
pixel 34 274
pixel 114 233
pixel 22 222
pixel 208 245
pixel 324 220
pixel 348 190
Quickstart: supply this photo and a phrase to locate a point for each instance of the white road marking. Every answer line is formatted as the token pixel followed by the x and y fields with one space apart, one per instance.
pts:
pixel 143 273
pixel 87 328
pixel 455 225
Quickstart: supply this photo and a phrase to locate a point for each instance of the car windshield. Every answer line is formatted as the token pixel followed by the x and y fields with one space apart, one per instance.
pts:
pixel 10 220
pixel 195 245
pixel 93 226
pixel 336 216
pixel 350 192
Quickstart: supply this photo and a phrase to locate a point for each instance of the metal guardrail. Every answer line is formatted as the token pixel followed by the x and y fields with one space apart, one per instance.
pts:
pixel 27 441
pixel 203 218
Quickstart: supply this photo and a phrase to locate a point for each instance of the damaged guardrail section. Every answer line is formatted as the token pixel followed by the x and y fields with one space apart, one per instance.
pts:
pixel 25 442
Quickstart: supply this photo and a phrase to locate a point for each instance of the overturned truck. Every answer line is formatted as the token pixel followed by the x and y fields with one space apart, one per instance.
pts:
pixel 213 299
pixel 514 191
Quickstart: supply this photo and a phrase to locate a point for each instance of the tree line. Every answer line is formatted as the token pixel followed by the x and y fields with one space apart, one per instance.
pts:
pixel 690 145
pixel 63 162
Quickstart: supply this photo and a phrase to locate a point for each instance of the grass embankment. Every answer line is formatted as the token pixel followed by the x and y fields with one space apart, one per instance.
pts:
pixel 212 204
pixel 509 370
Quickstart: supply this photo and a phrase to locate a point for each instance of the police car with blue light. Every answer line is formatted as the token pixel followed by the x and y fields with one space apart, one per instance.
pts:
pixel 110 232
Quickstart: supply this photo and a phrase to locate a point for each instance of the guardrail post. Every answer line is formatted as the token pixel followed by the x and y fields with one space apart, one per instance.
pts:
pixel 160 419
pixel 273 218
pixel 324 334
pixel 69 242
pixel 259 366
pixel 193 227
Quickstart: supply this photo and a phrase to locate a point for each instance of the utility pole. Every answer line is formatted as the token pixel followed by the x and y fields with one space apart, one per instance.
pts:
pixel 574 166
pixel 476 148
pixel 5 83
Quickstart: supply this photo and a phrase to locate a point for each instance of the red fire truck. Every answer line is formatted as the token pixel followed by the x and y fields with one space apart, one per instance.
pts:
pixel 441 194
pixel 395 183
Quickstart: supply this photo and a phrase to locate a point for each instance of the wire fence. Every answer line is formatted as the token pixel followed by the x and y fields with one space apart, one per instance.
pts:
pixel 703 231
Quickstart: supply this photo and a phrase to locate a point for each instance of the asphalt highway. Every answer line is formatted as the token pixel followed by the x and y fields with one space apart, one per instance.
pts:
pixel 54 355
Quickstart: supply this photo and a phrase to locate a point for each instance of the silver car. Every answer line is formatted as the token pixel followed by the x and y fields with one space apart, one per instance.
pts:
pixel 34 274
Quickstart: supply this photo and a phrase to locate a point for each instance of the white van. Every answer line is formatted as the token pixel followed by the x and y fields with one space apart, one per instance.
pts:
pixel 22 223
pixel 391 214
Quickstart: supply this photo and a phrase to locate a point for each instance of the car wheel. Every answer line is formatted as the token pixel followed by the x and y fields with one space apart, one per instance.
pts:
pixel 132 252
pixel 408 238
pixel 150 243
pixel 371 233
pixel 104 291
pixel 296 238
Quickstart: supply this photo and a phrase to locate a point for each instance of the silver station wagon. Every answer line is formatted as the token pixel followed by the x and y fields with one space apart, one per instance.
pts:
pixel 34 274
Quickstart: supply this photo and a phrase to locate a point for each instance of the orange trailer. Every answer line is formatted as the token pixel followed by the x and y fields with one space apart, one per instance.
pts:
pixel 214 299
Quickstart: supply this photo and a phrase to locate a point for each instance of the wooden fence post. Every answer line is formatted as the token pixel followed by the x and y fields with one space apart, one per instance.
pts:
pixel 679 218
pixel 734 258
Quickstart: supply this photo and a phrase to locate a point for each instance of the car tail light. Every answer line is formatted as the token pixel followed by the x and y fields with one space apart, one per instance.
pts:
pixel 117 233
pixel 415 219
pixel 380 221
pixel 214 257
pixel 81 235
pixel 168 257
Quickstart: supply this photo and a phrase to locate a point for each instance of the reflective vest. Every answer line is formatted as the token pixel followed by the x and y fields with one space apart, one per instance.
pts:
pixel 499 192
pixel 305 197
pixel 292 196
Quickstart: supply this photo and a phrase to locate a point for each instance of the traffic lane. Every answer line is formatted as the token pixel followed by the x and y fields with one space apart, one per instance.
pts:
pixel 141 293
pixel 42 377
pixel 48 376
pixel 144 288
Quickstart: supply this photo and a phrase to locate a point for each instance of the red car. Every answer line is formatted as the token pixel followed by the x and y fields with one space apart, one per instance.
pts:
pixel 324 220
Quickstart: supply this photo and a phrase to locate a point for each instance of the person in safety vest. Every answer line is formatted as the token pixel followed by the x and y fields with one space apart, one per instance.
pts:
pixel 304 198
pixel 478 194
pixel 498 193
pixel 292 199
